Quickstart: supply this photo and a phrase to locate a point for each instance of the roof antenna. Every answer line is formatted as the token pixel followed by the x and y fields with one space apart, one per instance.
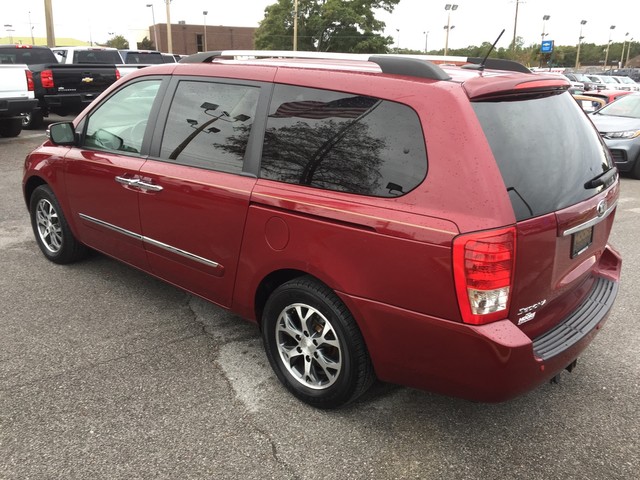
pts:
pixel 484 60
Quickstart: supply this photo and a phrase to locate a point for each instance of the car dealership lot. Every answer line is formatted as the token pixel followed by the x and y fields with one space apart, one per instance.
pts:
pixel 107 372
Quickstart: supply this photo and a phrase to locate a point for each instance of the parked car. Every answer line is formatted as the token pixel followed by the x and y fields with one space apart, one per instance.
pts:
pixel 16 98
pixel 582 78
pixel 619 125
pixel 589 103
pixel 60 89
pixel 84 55
pixel 376 216
pixel 607 95
pixel 141 57
pixel 626 83
pixel 605 82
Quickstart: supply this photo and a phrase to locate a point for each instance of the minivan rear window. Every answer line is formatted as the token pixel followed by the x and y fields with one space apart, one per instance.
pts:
pixel 546 149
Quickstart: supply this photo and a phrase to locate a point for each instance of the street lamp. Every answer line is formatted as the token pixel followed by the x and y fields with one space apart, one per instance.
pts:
pixel 580 37
pixel 628 50
pixel 155 27
pixel 449 8
pixel 426 41
pixel 606 55
pixel 398 41
pixel 544 24
pixel 204 14
pixel 515 25
pixel 624 40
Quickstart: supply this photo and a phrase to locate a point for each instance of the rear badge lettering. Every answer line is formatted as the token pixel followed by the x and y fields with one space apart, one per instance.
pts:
pixel 529 312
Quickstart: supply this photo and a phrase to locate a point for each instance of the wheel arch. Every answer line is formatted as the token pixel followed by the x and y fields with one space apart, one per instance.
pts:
pixel 30 185
pixel 269 283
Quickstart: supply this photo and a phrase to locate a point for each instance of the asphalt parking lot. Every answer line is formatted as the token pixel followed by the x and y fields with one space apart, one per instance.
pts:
pixel 106 372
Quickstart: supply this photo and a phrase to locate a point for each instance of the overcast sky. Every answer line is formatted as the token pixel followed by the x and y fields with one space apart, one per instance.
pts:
pixel 475 21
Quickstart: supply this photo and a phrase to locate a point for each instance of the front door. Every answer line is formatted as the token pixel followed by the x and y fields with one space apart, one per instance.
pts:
pixel 102 173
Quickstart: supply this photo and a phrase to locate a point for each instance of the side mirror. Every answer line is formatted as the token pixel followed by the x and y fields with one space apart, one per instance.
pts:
pixel 62 133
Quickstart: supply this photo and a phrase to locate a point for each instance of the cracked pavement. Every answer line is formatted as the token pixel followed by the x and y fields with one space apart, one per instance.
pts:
pixel 106 372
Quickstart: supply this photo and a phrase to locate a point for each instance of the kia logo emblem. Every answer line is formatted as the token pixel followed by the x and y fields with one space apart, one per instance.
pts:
pixel 601 208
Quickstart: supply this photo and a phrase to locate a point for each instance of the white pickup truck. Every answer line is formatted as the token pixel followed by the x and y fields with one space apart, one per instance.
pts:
pixel 16 98
pixel 107 55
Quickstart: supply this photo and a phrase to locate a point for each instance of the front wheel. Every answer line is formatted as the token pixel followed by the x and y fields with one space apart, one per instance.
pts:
pixel 10 127
pixel 51 229
pixel 314 345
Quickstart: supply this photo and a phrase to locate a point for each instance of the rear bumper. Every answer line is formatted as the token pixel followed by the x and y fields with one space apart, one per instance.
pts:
pixel 69 103
pixel 489 363
pixel 14 107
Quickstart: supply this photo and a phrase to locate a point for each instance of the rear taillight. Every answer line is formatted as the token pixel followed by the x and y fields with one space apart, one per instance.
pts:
pixel 46 78
pixel 483 264
pixel 30 85
pixel 117 74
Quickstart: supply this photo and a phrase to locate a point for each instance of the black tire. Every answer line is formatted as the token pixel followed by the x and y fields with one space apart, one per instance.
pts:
pixel 10 127
pixel 51 229
pixel 33 120
pixel 314 345
pixel 635 173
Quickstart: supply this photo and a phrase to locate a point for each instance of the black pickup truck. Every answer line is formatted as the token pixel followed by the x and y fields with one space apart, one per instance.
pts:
pixel 60 89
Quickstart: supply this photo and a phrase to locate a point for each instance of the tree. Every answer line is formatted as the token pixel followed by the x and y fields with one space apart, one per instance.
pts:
pixel 118 41
pixel 146 44
pixel 325 26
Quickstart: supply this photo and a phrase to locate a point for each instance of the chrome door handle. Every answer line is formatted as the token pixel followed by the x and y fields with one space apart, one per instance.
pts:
pixel 148 186
pixel 130 182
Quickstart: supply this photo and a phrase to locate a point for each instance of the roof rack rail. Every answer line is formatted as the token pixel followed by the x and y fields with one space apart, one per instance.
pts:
pixel 409 65
pixel 422 66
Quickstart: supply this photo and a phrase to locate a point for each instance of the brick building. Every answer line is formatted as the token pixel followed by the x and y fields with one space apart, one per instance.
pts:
pixel 189 39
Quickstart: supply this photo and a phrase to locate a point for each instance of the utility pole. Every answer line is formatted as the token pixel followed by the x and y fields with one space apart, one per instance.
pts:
pixel 295 25
pixel 48 14
pixel 515 25
pixel 169 40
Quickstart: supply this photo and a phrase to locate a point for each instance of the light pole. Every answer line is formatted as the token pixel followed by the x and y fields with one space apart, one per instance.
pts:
pixel 204 14
pixel 155 27
pixel 9 29
pixel 606 55
pixel 169 39
pixel 295 25
pixel 33 42
pixel 426 41
pixel 624 40
pixel 398 41
pixel 544 24
pixel 580 37
pixel 449 8
pixel 515 25
pixel 628 50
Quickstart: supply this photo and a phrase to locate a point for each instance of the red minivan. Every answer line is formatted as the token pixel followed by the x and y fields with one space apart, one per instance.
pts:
pixel 440 227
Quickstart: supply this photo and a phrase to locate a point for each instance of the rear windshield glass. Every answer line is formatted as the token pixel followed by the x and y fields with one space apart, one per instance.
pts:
pixel 98 56
pixel 546 149
pixel 30 56
pixel 143 57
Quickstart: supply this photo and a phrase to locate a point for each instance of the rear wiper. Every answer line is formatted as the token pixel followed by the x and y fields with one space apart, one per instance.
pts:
pixel 604 179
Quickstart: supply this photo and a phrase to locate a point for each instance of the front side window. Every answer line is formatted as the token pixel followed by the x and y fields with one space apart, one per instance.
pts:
pixel 209 124
pixel 343 142
pixel 120 122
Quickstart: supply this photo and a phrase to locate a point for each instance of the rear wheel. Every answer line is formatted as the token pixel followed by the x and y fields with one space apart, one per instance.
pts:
pixel 51 229
pixel 10 127
pixel 314 345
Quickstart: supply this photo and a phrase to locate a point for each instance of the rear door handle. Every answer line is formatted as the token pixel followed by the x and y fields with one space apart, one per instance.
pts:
pixel 129 182
pixel 148 186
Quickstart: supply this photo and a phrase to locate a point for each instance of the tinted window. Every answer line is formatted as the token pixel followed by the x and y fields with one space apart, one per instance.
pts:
pixel 344 142
pixel 120 122
pixel 98 56
pixel 143 57
pixel 546 149
pixel 30 56
pixel 209 125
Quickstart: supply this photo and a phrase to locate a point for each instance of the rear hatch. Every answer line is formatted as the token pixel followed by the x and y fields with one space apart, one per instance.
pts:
pixel 563 188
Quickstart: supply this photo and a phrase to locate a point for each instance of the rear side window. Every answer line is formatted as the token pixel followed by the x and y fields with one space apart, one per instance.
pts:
pixel 344 142
pixel 98 56
pixel 209 125
pixel 546 149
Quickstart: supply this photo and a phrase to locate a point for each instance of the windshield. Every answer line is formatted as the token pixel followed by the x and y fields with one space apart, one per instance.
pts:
pixel 627 106
pixel 546 149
